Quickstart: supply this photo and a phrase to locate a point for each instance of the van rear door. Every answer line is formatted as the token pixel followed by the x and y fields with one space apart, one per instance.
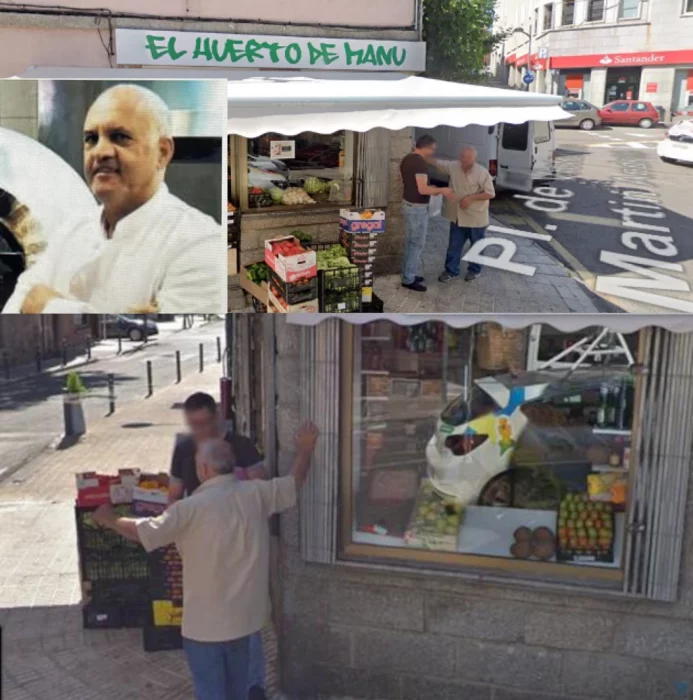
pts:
pixel 515 157
pixel 544 135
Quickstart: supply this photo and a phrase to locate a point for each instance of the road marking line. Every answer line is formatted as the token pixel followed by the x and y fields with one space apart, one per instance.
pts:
pixel 643 136
pixel 637 144
pixel 587 277
pixel 521 234
pixel 587 219
pixel 550 227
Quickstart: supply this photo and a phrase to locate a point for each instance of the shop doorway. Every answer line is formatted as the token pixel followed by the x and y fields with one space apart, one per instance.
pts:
pixel 622 84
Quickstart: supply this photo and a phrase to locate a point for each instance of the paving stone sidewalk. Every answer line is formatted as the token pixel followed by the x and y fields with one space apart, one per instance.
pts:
pixel 552 289
pixel 47 654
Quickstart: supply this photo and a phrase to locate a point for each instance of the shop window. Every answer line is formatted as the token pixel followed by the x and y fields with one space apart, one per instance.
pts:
pixel 568 14
pixel 542 132
pixel 306 170
pixel 629 9
pixel 515 136
pixel 595 11
pixel 464 453
pixel 688 6
pixel 548 17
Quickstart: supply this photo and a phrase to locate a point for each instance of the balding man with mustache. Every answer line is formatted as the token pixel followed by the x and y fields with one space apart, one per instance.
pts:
pixel 468 211
pixel 147 251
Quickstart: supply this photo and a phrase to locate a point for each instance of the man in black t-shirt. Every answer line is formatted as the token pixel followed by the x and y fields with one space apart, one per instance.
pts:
pixel 416 193
pixel 204 423
pixel 202 418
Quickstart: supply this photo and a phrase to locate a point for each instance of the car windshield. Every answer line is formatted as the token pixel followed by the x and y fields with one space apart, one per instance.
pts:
pixel 462 410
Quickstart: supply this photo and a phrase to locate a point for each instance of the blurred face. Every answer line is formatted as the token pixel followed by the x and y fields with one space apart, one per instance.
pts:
pixel 124 156
pixel 467 158
pixel 203 424
pixel 429 152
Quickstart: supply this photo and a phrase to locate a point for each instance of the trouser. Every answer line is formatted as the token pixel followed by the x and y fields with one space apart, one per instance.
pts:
pixel 459 235
pixel 256 669
pixel 219 669
pixel 415 229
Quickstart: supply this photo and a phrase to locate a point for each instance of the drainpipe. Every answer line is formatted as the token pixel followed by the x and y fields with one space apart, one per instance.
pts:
pixel 226 381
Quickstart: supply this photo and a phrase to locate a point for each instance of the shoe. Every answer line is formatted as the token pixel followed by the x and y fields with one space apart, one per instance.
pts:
pixel 446 277
pixel 415 286
pixel 257 693
pixel 471 276
pixel 419 279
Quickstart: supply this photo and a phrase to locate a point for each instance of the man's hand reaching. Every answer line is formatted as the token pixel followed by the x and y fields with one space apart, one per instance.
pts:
pixel 36 300
pixel 306 439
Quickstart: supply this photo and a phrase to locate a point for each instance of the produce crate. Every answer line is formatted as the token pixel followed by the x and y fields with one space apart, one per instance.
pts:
pixel 257 291
pixel 259 307
pixel 234 229
pixel 297 292
pixel 435 522
pixel 576 515
pixel 294 267
pixel 362 220
pixel 279 305
pixel 377 385
pixel 161 638
pixel 113 604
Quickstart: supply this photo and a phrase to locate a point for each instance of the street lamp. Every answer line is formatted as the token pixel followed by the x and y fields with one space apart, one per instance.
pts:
pixel 520 30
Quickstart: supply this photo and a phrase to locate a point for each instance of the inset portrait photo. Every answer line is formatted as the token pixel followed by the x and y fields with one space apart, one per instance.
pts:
pixel 111 196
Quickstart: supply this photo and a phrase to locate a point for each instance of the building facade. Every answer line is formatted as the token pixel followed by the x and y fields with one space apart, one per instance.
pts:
pixel 600 50
pixel 76 35
pixel 364 608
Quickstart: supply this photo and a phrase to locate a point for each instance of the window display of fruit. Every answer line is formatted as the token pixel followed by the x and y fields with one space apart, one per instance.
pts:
pixel 257 197
pixel 538 544
pixel 585 529
pixel 435 522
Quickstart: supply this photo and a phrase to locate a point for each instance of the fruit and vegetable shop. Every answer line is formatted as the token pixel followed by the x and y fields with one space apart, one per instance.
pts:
pixel 314 185
pixel 500 504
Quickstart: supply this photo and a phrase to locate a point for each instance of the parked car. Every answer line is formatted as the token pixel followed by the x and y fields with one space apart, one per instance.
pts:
pixel 630 113
pixel 677 147
pixel 682 114
pixel 129 327
pixel 584 115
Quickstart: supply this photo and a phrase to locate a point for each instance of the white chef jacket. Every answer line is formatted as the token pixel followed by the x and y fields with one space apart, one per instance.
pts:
pixel 164 251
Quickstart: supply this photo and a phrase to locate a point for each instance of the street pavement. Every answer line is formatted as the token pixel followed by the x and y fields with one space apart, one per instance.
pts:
pixel 551 287
pixel 601 173
pixel 31 407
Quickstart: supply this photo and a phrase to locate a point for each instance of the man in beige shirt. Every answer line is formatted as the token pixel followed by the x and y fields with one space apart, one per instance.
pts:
pixel 467 211
pixel 222 535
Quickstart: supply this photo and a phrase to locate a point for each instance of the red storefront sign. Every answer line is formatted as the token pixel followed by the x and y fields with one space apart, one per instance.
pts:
pixel 536 64
pixel 510 59
pixel 651 87
pixel 623 60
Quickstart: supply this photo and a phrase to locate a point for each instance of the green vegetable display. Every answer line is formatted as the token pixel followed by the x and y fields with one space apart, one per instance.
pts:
pixel 333 258
pixel 277 195
pixel 258 273
pixel 303 238
pixel 313 185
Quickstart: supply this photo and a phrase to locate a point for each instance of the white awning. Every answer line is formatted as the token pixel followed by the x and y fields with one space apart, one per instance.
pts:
pixel 623 323
pixel 289 102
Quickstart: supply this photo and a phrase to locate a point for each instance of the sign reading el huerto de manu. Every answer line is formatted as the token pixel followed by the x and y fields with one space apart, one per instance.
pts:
pixel 143 47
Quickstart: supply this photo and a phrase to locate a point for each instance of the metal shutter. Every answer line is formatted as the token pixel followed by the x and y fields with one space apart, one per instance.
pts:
pixel 663 458
pixel 372 168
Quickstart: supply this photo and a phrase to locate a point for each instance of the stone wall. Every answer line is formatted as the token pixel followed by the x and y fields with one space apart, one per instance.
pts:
pixel 19 107
pixel 368 633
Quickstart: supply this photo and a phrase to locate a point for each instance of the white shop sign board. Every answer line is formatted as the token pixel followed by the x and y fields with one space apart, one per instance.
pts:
pixel 216 50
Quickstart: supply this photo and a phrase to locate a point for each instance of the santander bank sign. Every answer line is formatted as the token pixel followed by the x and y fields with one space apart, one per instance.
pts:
pixel 644 58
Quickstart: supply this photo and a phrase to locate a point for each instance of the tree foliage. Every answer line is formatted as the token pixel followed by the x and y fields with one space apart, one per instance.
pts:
pixel 458 34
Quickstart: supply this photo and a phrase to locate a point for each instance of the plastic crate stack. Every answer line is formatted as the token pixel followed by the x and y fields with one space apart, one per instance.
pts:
pixel 359 231
pixel 114 571
pixel 162 628
pixel 293 283
pixel 340 288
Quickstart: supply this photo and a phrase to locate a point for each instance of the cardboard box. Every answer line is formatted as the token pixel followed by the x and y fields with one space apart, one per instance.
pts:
pixel 102 489
pixel 362 220
pixel 308 307
pixel 367 295
pixel 294 267
pixel 259 291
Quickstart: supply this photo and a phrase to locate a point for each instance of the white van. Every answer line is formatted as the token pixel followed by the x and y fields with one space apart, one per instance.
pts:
pixel 516 155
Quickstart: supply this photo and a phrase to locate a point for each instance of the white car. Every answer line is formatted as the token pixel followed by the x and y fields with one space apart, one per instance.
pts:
pixel 678 144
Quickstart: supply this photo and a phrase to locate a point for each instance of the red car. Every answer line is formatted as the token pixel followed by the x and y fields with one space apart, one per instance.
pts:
pixel 630 113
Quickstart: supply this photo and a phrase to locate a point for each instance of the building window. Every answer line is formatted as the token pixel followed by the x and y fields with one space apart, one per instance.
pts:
pixel 285 172
pixel 688 6
pixel 548 17
pixel 471 448
pixel 629 9
pixel 536 21
pixel 595 11
pixel 568 16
